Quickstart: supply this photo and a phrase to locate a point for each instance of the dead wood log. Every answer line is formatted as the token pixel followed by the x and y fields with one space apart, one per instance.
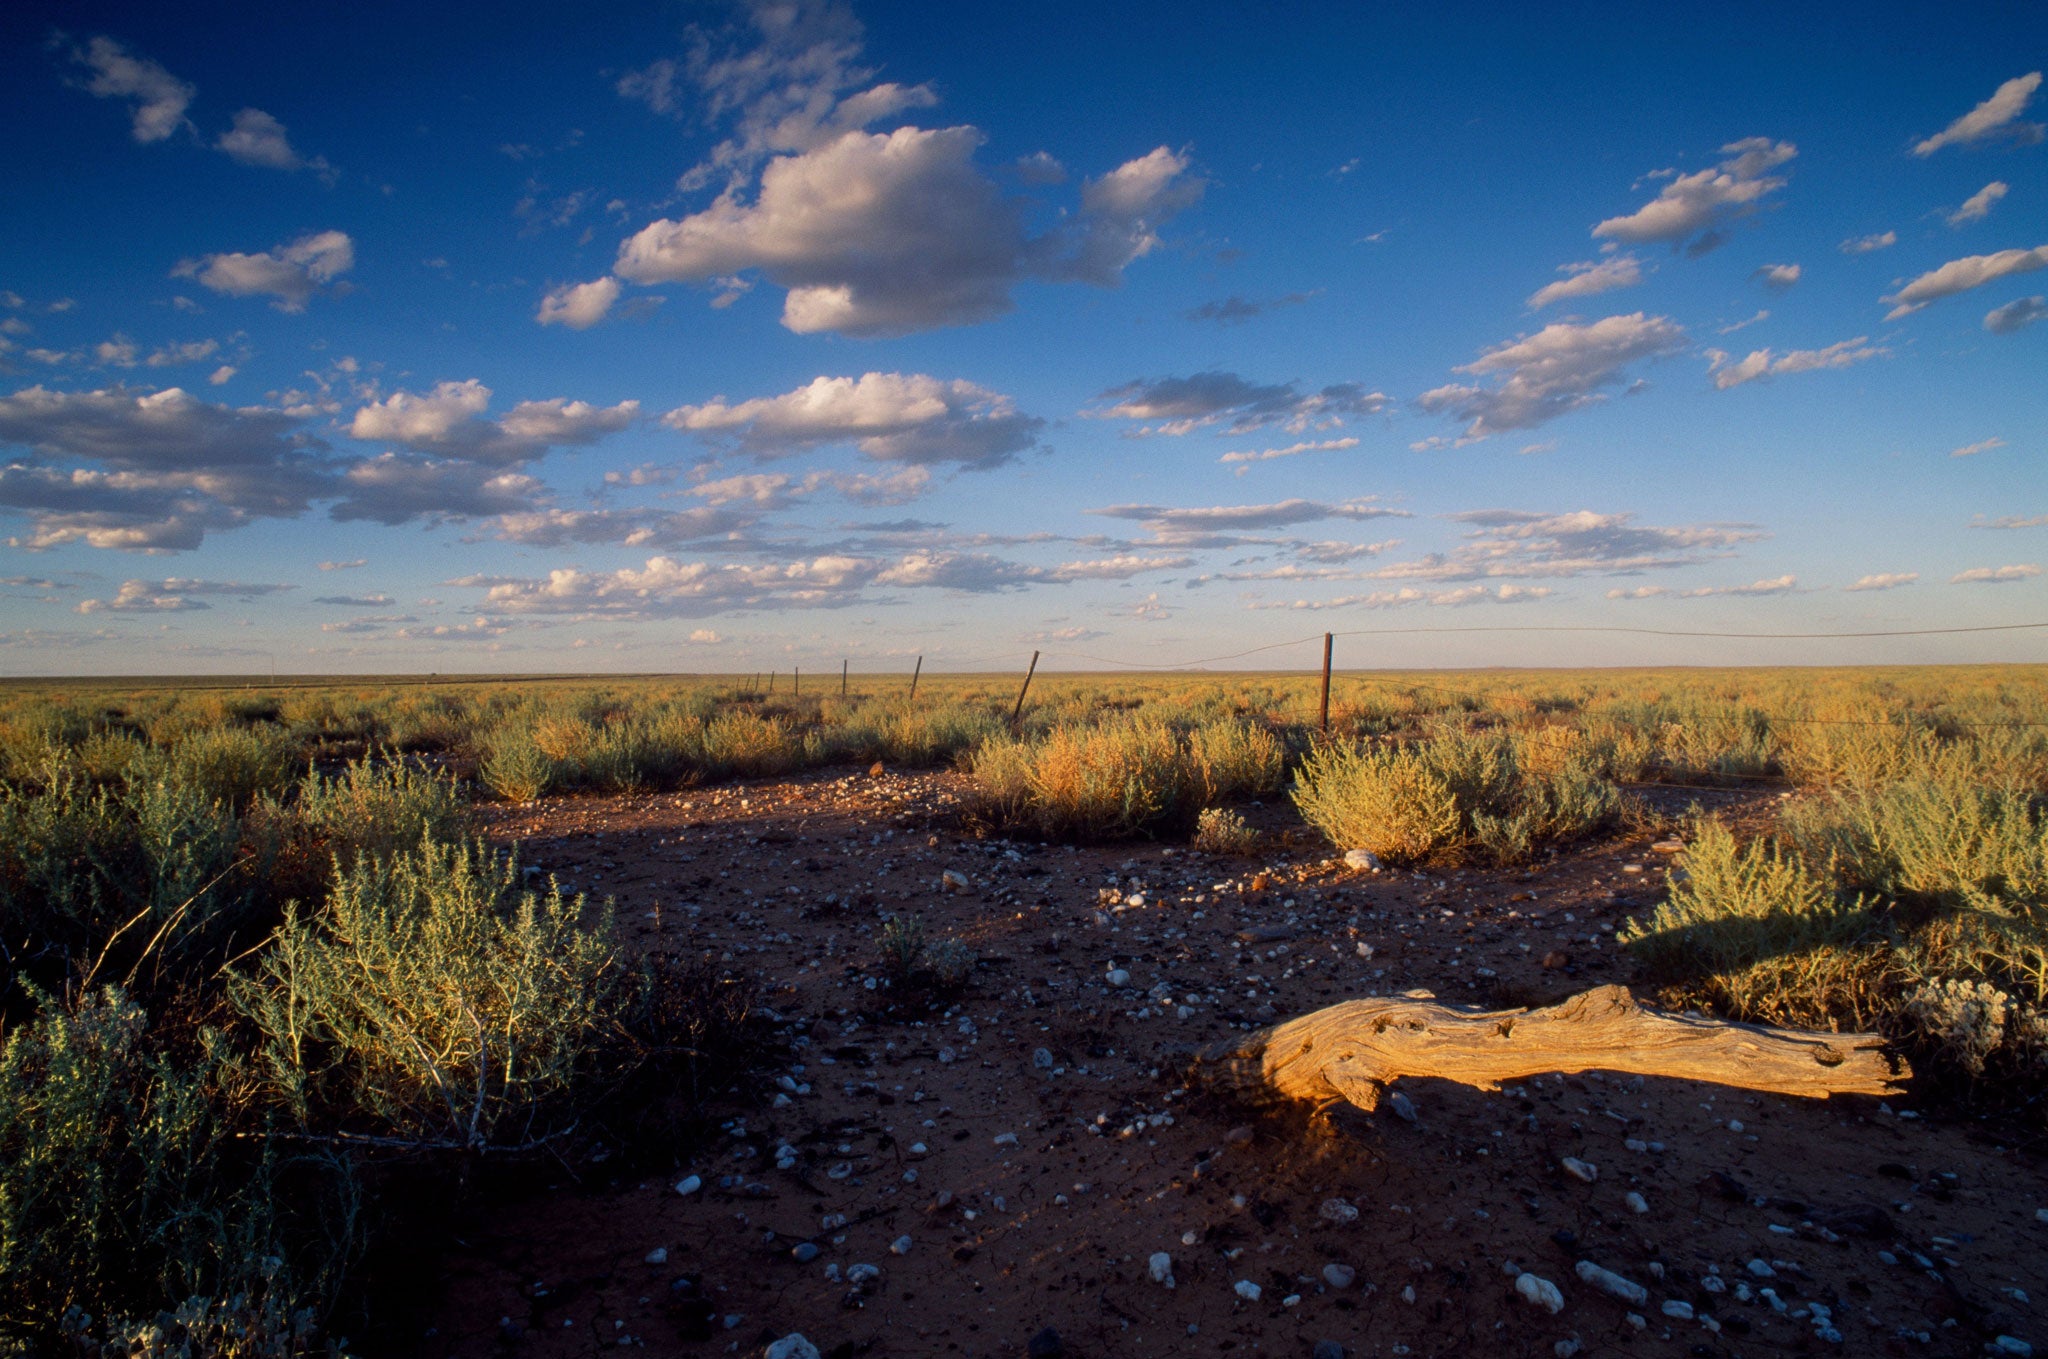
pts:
pixel 1353 1051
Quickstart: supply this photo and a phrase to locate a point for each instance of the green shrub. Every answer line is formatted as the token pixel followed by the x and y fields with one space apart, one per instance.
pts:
pixel 1234 759
pixel 1221 831
pixel 1126 777
pixel 432 1001
pixel 515 767
pixel 1388 800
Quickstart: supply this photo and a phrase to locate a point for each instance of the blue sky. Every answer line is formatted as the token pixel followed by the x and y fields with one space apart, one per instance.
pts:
pixel 736 337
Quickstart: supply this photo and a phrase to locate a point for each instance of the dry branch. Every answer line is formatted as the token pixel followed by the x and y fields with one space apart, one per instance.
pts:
pixel 1354 1050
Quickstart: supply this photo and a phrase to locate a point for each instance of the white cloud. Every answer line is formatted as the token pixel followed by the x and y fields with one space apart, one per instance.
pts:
pixel 350 565
pixel 1978 205
pixel 704 637
pixel 669 588
pixel 1235 310
pixel 1182 405
pixel 1698 205
pixel 892 233
pixel 1589 277
pixel 1561 368
pixel 2017 315
pixel 1531 543
pixel 449 421
pixel 1212 525
pixel 1121 567
pixel 1777 277
pixel 160 98
pixel 152 471
pixel 1959 276
pixel 1409 595
pixel 355 601
pixel 1981 446
pixel 290 273
pixel 1885 580
pixel 174 595
pixel 1292 450
pixel 1762 363
pixel 222 375
pixel 645 528
pixel 896 417
pixel 259 139
pixel 395 488
pixel 1730 329
pixel 2011 521
pixel 1864 245
pixel 1778 585
pixel 1994 575
pixel 578 306
pixel 1997 116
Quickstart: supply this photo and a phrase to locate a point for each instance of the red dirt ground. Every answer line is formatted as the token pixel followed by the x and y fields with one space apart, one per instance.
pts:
pixel 1033 1196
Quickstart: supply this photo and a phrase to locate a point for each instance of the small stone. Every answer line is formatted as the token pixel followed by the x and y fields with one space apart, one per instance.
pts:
pixel 1338 1211
pixel 2011 1344
pixel 863 1274
pixel 1565 1349
pixel 1339 1276
pixel 1403 1107
pixel 1669 847
pixel 1042 1059
pixel 1637 1321
pixel 1364 860
pixel 900 1246
pixel 1761 1269
pixel 875 770
pixel 1584 1171
pixel 1160 1266
pixel 2041 1215
pixel 1635 1202
pixel 1291 1300
pixel 1677 1309
pixel 803 1252
pixel 1006 1139
pixel 1238 1137
pixel 952 881
pixel 1328 1349
pixel 689 1185
pixel 1540 1293
pixel 1248 1290
pixel 658 1256
pixel 1118 977
pixel 1045 1345
pixel 1556 959
pixel 1612 1284
pixel 791 1346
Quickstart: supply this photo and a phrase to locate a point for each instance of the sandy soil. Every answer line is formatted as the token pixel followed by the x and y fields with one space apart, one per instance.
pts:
pixel 1013 1159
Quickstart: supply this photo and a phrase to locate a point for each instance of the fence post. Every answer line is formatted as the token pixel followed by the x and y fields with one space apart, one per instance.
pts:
pixel 1328 639
pixel 1018 711
pixel 913 676
pixel 771 681
pixel 796 681
pixel 842 677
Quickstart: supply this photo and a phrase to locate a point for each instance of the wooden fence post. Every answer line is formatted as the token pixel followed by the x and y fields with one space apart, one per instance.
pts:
pixel 796 681
pixel 913 677
pixel 1328 640
pixel 842 677
pixel 771 681
pixel 1018 711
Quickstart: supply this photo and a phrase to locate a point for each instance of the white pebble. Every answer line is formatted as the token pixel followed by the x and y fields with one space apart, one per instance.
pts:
pixel 900 1246
pixel 689 1184
pixel 1541 1293
pixel 1612 1284
pixel 1248 1290
pixel 1161 1268
pixel 1635 1202
pixel 1581 1170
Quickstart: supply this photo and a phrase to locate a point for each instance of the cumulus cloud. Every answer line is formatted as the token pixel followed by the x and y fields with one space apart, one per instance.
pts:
pixel 578 306
pixel 290 273
pixel 1995 575
pixel 1235 311
pixel 1120 567
pixel 2016 315
pixel 1587 278
pixel 1884 580
pixel 1978 205
pixel 895 417
pixel 1864 245
pixel 1533 543
pixel 1762 363
pixel 150 471
pixel 891 233
pixel 174 595
pixel 1249 455
pixel 1959 276
pixel 666 587
pixel 1996 118
pixel 395 488
pixel 355 601
pixel 1777 277
pixel 1409 595
pixel 259 139
pixel 1210 525
pixel 350 565
pixel 2011 521
pixel 645 528
pixel 1697 206
pixel 1561 368
pixel 1178 405
pixel 160 98
pixel 1779 585
pixel 449 421
pixel 1981 446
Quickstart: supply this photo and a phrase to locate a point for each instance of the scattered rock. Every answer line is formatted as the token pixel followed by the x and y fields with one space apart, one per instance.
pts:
pixel 1555 959
pixel 1242 1137
pixel 658 1256
pixel 1540 1293
pixel 1403 1107
pixel 1160 1266
pixel 1118 977
pixel 1042 1059
pixel 1612 1284
pixel 1248 1290
pixel 2011 1344
pixel 952 881
pixel 1045 1345
pixel 791 1346
pixel 900 1246
pixel 1668 847
pixel 804 1252
pixel 1364 860
pixel 689 1185
pixel 1584 1171
pixel 1337 1211
pixel 1635 1202
pixel 1339 1276
pixel 1327 1349
pixel 1677 1309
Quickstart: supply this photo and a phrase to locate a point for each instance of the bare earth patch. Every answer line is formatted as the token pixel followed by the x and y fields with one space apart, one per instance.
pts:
pixel 952 1178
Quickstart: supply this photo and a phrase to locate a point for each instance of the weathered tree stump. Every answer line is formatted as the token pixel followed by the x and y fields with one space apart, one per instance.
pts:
pixel 1353 1051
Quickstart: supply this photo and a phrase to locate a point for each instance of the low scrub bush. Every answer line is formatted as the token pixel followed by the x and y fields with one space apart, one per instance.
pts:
pixel 1219 830
pixel 432 1001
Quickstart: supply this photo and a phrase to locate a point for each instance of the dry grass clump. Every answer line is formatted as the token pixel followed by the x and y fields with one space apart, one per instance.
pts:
pixel 1218 830
pixel 1456 794
pixel 1126 776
